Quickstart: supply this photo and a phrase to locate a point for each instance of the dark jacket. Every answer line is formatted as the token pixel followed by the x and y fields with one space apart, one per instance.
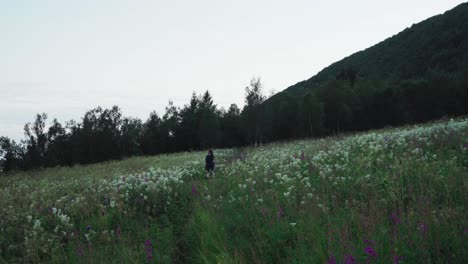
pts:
pixel 209 162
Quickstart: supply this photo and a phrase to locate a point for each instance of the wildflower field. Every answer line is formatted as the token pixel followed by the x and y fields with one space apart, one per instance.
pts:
pixel 387 196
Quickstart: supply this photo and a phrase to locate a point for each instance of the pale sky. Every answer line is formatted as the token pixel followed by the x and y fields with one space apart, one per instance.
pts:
pixel 67 57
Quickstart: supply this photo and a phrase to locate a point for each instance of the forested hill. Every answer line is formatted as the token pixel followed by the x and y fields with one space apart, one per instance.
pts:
pixel 415 76
pixel 439 43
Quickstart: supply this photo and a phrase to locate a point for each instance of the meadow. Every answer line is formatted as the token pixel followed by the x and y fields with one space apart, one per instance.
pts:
pixel 396 195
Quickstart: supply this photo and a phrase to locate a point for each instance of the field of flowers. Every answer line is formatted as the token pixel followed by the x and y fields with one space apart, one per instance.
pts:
pixel 387 196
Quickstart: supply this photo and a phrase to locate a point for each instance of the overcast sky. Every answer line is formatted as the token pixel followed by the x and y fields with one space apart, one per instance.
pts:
pixel 66 57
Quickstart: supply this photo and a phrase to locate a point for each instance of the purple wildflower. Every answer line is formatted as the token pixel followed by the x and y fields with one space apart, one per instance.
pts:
pixel 465 146
pixel 148 249
pixel 332 260
pixel 88 227
pixel 397 259
pixel 280 213
pixel 194 189
pixel 371 252
pixel 79 251
pixel 123 178
pixel 395 219
pixel 302 156
pixel 349 259
pixel 422 227
pixel 118 231
pixel 148 243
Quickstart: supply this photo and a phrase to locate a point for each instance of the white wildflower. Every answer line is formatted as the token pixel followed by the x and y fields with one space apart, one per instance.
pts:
pixel 37 224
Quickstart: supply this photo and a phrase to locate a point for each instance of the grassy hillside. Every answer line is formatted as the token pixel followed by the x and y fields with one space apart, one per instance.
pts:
pixel 387 196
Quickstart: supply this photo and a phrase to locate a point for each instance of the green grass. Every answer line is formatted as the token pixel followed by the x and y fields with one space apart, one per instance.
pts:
pixel 386 196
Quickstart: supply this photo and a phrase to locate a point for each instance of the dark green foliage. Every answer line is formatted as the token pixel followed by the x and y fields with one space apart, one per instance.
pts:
pixel 252 115
pixel 151 137
pixel 130 135
pixel 439 43
pixel 231 127
pixel 312 116
pixel 189 121
pixel 11 154
pixel 208 123
pixel 414 76
pixel 36 141
pixel 101 134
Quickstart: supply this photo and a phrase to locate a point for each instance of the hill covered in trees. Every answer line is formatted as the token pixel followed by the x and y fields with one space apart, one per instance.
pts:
pixel 417 75
pixel 437 44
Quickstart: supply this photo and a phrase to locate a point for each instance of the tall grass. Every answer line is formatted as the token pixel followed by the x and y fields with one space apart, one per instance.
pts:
pixel 387 196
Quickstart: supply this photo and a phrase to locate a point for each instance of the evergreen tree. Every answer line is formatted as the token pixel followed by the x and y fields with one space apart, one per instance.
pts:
pixel 312 116
pixel 152 138
pixel 252 112
pixel 131 133
pixel 209 133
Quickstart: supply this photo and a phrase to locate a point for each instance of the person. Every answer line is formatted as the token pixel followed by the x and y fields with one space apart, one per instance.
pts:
pixel 209 162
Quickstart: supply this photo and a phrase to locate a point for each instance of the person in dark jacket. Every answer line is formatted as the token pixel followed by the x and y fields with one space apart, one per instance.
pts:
pixel 209 161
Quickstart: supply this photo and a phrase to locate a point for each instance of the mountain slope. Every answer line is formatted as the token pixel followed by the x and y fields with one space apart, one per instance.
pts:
pixel 437 43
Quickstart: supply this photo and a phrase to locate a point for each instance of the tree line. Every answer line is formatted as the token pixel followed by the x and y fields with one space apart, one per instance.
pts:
pixel 105 134
pixel 344 103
